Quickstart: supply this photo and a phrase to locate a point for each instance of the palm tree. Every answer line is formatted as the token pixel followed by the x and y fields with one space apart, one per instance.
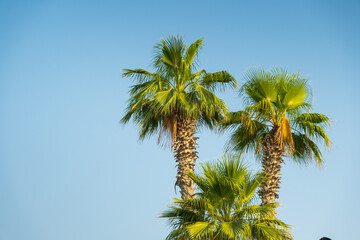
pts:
pixel 175 99
pixel 276 123
pixel 224 208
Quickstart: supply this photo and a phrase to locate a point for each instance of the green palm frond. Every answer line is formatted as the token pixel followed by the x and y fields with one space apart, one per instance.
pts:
pixel 296 95
pixel 232 230
pixel 166 99
pixel 264 229
pixel 201 230
pixel 264 110
pixel 308 125
pixel 315 118
pixel 178 234
pixel 192 51
pixel 140 75
pixel 306 150
pixel 258 86
pixel 232 119
pixel 298 110
pixel 215 81
pixel 253 182
pixel 168 56
pixel 245 140
pixel 169 52
pixel 253 211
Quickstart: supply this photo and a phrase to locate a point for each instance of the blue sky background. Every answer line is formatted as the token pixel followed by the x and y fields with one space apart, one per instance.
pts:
pixel 69 170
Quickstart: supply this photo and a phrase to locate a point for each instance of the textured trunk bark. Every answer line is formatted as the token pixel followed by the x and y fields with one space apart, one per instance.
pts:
pixel 271 164
pixel 185 155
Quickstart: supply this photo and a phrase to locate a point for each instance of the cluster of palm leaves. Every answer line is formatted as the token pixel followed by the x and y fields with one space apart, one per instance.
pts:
pixel 176 99
pixel 225 207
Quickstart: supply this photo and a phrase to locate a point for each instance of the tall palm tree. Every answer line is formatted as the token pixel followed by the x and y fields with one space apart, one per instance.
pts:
pixel 276 123
pixel 175 99
pixel 224 208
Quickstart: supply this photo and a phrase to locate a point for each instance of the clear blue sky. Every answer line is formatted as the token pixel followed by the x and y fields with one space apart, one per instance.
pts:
pixel 69 170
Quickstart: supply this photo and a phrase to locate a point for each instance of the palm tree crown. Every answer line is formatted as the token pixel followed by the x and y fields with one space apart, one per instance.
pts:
pixel 276 122
pixel 224 208
pixel 174 98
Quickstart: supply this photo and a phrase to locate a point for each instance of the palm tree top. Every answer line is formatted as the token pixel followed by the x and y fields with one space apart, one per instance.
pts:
pixel 171 54
pixel 175 88
pixel 280 101
pixel 275 94
pixel 225 207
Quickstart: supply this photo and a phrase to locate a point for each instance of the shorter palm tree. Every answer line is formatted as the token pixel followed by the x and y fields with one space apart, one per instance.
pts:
pixel 224 207
pixel 277 123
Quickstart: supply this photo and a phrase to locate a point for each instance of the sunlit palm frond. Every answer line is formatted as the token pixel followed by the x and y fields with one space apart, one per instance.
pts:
pixel 201 230
pixel 215 81
pixel 233 119
pixel 192 52
pixel 253 211
pixel 314 130
pixel 140 75
pixel 245 140
pixel 264 110
pixel 306 150
pixel 296 95
pixel 315 118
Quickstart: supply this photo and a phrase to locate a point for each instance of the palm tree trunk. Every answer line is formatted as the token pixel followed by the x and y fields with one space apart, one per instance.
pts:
pixel 271 164
pixel 185 155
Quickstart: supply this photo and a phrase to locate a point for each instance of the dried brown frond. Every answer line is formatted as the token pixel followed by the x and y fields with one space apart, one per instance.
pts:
pixel 167 133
